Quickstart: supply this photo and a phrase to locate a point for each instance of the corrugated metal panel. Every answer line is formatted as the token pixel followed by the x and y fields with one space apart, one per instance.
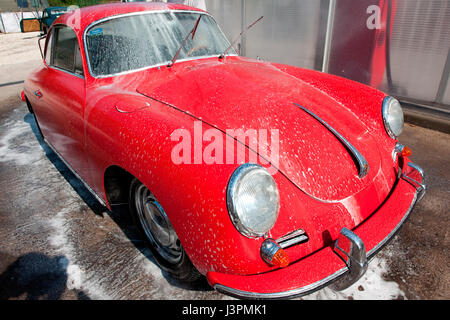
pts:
pixel 293 31
pixel 446 98
pixel 228 15
pixel 419 47
pixel 289 33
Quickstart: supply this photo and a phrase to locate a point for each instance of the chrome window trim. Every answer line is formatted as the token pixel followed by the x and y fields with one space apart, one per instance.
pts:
pixel 66 71
pixel 92 24
pixel 363 165
pixel 50 63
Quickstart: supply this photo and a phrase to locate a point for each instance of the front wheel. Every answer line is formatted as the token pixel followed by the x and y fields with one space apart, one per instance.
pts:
pixel 159 234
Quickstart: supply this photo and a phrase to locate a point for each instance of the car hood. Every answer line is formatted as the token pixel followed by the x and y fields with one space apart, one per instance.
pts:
pixel 248 94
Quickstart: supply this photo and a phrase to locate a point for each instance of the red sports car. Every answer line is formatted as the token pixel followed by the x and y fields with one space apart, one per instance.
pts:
pixel 270 180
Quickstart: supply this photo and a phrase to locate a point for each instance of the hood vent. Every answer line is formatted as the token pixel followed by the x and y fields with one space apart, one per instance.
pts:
pixel 360 161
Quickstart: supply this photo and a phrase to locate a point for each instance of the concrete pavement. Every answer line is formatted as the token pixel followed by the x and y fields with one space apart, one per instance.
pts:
pixel 57 242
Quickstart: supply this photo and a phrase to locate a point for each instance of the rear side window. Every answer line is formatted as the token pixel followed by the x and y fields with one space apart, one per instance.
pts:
pixel 78 69
pixel 66 52
pixel 48 49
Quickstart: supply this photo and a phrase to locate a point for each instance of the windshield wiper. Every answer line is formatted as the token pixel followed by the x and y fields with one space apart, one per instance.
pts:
pixel 193 31
pixel 238 37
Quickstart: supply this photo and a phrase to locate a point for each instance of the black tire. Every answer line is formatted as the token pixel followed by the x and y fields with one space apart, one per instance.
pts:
pixel 170 257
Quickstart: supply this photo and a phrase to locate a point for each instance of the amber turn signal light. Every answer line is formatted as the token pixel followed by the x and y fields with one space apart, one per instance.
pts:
pixel 406 152
pixel 280 259
pixel 273 254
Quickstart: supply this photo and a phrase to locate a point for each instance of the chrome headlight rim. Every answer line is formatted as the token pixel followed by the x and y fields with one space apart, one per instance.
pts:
pixel 236 177
pixel 384 111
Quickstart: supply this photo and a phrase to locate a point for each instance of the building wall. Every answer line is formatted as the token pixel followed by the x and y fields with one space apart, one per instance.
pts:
pixel 293 32
pixel 290 31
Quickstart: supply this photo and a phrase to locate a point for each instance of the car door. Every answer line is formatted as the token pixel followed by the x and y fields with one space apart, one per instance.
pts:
pixel 61 94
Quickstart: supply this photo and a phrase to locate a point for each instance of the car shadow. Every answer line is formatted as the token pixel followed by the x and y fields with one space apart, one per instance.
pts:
pixel 36 276
pixel 119 213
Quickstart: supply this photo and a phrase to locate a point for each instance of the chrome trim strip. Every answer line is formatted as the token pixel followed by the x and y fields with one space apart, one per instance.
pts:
pixel 148 67
pixel 75 173
pixel 292 238
pixel 294 241
pixel 49 65
pixel 66 71
pixel 279 295
pixel 363 166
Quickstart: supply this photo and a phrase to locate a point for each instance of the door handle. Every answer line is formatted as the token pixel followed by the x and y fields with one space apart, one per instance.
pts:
pixel 38 93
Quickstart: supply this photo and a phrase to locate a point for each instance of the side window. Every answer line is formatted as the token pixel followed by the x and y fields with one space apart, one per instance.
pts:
pixel 48 49
pixel 78 62
pixel 66 53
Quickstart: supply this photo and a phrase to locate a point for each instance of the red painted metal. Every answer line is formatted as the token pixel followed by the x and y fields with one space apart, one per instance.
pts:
pixel 127 121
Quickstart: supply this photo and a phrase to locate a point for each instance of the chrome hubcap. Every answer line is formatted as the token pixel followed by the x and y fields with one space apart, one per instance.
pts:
pixel 157 226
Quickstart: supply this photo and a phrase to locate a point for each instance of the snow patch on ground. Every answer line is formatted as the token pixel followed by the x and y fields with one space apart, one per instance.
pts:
pixel 74 277
pixel 372 286
pixel 24 153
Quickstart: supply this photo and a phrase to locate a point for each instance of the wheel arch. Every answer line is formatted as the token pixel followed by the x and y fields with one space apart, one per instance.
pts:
pixel 116 184
pixel 30 108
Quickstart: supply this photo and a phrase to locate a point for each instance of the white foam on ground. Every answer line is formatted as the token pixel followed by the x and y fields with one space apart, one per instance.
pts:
pixel 76 277
pixel 372 286
pixel 24 153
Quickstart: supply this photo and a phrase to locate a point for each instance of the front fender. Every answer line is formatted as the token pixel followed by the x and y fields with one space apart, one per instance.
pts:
pixel 193 195
pixel 363 101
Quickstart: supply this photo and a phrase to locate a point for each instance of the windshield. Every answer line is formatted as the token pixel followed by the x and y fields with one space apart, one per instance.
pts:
pixel 144 40
pixel 58 12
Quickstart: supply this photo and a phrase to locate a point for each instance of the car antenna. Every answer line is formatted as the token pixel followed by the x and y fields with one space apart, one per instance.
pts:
pixel 193 31
pixel 238 37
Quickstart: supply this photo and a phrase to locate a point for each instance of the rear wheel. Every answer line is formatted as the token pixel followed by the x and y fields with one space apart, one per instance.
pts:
pixel 159 234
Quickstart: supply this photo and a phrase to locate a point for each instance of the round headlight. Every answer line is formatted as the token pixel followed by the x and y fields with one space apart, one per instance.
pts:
pixel 392 117
pixel 252 200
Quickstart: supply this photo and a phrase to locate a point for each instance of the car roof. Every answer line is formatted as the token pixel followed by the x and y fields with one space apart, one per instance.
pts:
pixel 79 19
pixel 55 8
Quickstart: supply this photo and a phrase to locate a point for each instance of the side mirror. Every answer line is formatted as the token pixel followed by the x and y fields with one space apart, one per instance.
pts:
pixel 40 47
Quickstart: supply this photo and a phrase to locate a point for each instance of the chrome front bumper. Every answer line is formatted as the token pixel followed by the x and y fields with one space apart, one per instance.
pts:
pixel 349 247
